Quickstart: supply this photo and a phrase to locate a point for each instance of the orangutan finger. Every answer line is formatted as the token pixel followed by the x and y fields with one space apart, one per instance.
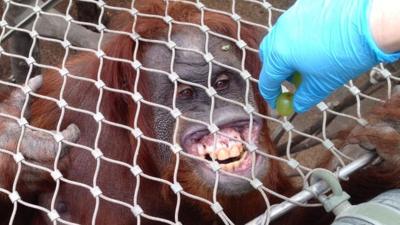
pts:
pixel 377 129
pixel 36 82
pixel 71 133
pixel 381 136
pixel 43 147
pixel 14 103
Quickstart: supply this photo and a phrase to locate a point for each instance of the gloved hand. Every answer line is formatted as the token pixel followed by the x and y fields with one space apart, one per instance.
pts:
pixel 328 41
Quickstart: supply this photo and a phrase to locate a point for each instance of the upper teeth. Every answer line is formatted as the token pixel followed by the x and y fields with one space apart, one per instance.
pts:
pixel 221 152
pixel 235 151
pixel 227 149
pixel 201 150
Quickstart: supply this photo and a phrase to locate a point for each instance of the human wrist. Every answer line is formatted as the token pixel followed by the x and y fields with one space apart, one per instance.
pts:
pixel 384 22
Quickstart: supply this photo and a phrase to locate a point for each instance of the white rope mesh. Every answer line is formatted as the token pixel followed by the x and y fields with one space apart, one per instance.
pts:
pixel 281 125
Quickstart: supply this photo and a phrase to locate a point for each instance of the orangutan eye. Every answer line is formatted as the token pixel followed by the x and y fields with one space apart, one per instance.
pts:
pixel 185 91
pixel 222 82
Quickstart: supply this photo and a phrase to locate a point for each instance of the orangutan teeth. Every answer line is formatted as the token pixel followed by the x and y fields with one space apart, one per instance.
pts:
pixel 235 151
pixel 223 154
pixel 214 155
pixel 227 148
pixel 228 167
pixel 230 159
pixel 200 150
pixel 236 165
pixel 210 149
pixel 228 151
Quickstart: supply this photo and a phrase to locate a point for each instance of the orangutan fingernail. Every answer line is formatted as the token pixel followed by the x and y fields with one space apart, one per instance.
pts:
pixel 226 47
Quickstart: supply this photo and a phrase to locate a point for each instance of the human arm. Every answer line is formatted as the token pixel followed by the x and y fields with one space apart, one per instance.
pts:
pixel 329 42
pixel 385 24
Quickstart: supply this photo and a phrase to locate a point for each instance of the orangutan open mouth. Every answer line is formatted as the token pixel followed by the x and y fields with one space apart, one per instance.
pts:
pixel 229 149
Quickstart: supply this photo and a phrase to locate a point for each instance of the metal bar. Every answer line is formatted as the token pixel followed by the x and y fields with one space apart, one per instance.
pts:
pixel 318 188
pixel 46 6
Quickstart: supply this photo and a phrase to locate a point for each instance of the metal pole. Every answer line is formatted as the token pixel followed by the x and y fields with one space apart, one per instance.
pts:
pixel 318 188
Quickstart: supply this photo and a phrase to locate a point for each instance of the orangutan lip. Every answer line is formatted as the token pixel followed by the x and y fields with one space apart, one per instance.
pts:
pixel 198 134
pixel 229 148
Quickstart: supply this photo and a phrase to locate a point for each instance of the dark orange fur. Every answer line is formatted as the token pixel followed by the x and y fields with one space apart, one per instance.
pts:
pixel 120 108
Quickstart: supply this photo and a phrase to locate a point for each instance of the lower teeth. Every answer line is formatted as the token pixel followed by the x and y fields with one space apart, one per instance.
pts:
pixel 234 165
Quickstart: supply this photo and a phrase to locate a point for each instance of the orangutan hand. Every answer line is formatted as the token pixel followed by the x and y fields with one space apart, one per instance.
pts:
pixel 36 146
pixel 383 131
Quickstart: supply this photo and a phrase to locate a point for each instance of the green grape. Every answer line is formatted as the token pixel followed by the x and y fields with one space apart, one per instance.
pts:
pixel 296 79
pixel 284 104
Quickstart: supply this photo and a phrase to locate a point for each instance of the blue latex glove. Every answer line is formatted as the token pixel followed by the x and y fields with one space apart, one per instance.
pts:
pixel 328 41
